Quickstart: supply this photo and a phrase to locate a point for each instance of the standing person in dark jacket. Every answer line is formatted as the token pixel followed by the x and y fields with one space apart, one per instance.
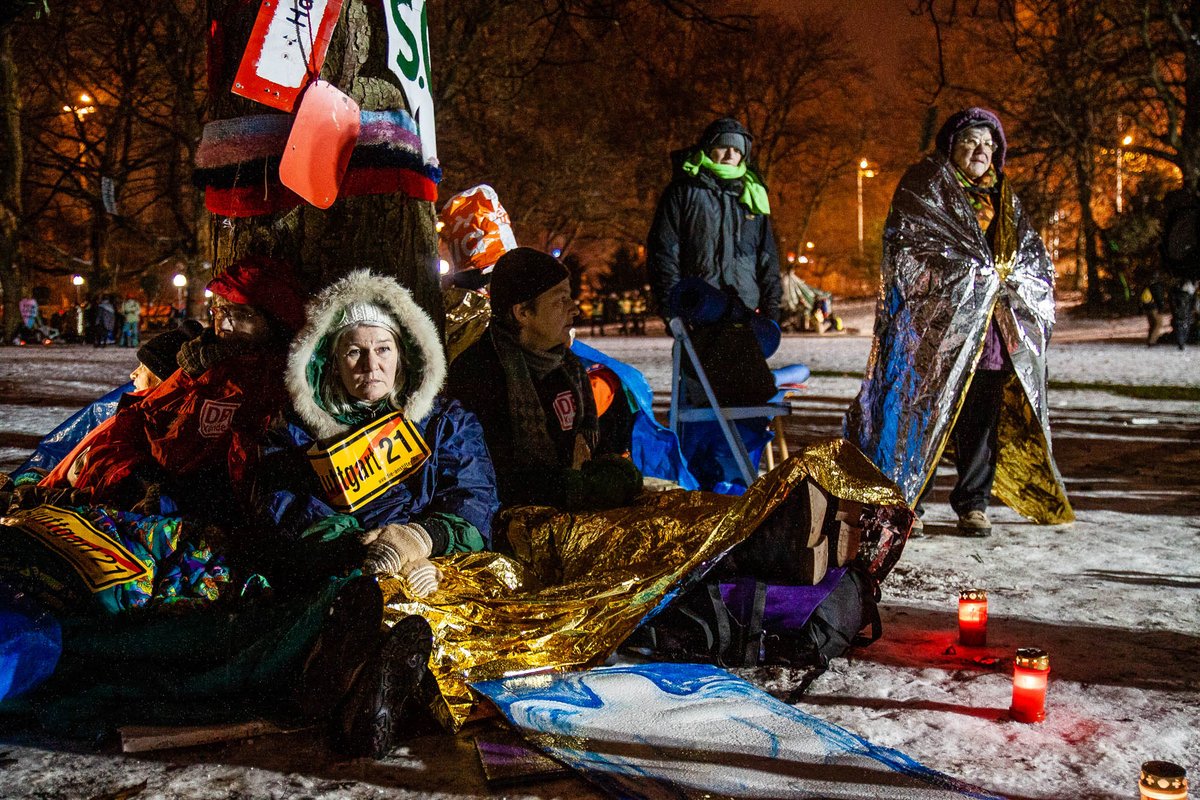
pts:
pixel 532 394
pixel 713 222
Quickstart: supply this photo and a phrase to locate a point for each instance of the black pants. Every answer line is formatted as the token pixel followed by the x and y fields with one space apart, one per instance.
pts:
pixel 976 443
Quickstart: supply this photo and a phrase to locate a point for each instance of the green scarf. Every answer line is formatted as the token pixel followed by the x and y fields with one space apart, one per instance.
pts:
pixel 754 194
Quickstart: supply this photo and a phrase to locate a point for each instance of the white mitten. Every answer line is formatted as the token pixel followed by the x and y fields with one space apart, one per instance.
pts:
pixel 423 577
pixel 392 548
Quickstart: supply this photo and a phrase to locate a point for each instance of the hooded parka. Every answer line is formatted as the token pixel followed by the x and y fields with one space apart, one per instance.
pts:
pixel 452 494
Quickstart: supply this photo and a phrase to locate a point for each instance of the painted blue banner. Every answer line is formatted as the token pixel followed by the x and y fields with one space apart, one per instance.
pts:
pixel 657 731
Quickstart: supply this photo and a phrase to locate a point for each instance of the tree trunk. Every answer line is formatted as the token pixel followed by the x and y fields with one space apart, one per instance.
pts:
pixel 11 168
pixel 1090 230
pixel 388 233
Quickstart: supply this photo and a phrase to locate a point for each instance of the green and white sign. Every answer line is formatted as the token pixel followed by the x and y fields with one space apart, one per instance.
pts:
pixel 408 57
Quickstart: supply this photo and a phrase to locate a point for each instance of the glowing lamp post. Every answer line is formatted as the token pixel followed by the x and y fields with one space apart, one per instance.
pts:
pixel 1162 780
pixel 864 171
pixel 972 617
pixel 1031 671
pixel 77 281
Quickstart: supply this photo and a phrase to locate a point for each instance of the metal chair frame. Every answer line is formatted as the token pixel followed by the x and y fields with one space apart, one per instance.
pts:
pixel 714 412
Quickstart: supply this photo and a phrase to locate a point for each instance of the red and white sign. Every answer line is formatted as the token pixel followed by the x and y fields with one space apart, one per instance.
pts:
pixel 286 50
pixel 216 417
pixel 564 409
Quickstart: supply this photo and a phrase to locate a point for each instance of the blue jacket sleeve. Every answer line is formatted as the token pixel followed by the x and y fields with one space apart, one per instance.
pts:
pixel 465 480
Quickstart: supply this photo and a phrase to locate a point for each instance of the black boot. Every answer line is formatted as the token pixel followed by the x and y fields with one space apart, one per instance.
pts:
pixel 349 638
pixel 369 721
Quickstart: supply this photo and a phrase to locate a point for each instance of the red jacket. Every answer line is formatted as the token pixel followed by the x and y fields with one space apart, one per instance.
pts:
pixel 190 424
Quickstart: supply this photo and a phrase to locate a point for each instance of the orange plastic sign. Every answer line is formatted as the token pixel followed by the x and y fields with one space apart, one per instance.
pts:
pixel 286 50
pixel 476 229
pixel 320 143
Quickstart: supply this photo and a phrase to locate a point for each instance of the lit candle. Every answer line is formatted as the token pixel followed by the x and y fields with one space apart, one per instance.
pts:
pixel 1162 780
pixel 1030 671
pixel 972 617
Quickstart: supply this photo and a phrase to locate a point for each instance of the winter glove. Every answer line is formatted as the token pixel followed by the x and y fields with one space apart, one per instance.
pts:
pixel 392 548
pixel 197 355
pixel 423 577
pixel 608 481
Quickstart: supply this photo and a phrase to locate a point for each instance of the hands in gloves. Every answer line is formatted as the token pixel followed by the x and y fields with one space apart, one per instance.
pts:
pixel 392 549
pixel 423 577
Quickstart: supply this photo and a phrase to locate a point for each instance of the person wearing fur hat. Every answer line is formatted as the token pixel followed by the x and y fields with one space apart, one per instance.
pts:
pixel 713 222
pixel 958 362
pixel 533 396
pixel 364 376
pixel 192 437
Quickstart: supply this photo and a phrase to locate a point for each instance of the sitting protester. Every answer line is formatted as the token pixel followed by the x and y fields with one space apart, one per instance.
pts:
pixel 375 470
pixel 532 394
pixel 192 438
pixel 156 362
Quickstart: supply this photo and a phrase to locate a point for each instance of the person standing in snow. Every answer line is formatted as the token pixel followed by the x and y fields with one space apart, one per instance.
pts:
pixel 131 312
pixel 713 222
pixel 965 312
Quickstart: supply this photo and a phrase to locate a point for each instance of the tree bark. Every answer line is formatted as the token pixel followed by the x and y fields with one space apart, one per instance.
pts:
pixel 1089 229
pixel 11 169
pixel 390 234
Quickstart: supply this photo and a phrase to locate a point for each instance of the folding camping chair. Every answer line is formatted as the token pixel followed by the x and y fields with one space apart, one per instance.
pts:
pixel 712 411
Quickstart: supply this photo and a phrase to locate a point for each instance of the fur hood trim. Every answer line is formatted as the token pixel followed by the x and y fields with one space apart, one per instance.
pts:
pixel 423 345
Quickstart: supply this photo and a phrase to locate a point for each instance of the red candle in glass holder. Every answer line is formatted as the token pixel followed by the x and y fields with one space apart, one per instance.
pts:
pixel 972 617
pixel 1031 670
pixel 1162 780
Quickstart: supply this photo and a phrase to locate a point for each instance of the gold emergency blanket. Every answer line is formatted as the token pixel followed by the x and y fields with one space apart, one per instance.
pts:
pixel 581 583
pixel 467 316
pixel 941 287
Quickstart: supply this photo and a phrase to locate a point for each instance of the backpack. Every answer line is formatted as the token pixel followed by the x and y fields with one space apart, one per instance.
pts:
pixel 735 619
pixel 747 622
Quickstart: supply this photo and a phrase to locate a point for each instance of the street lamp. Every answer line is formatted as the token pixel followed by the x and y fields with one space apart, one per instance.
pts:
pixel 180 281
pixel 864 171
pixel 77 281
pixel 1128 140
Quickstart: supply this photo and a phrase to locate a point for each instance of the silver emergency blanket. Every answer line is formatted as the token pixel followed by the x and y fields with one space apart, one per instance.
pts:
pixel 940 287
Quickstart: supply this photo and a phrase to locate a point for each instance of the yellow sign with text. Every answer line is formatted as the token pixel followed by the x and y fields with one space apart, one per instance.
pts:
pixel 100 560
pixel 359 468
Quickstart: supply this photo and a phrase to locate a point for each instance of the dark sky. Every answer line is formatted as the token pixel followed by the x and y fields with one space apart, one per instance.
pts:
pixel 883 32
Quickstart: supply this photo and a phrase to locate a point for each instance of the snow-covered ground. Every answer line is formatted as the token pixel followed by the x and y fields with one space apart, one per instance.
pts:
pixel 1114 599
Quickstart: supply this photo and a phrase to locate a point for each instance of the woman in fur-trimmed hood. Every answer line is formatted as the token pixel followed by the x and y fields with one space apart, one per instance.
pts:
pixel 373 468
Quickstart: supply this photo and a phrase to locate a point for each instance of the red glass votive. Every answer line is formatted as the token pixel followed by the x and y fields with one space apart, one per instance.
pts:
pixel 972 617
pixel 1162 780
pixel 1031 670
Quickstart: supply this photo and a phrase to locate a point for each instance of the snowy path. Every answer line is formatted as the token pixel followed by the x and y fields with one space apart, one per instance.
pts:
pixel 1114 599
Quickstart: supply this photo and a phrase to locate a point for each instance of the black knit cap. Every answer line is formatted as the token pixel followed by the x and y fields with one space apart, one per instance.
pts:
pixel 521 275
pixel 159 353
pixel 726 132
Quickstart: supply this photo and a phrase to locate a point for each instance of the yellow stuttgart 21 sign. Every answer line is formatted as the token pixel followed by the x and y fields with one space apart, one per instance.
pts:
pixel 100 560
pixel 366 463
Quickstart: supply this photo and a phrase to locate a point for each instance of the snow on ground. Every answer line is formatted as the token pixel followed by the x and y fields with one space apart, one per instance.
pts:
pixel 1114 599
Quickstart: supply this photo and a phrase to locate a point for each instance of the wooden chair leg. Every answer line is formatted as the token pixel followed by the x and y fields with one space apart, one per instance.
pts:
pixel 783 448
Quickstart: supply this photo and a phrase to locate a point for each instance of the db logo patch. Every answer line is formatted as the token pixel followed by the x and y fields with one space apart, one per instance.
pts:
pixel 564 408
pixel 215 417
